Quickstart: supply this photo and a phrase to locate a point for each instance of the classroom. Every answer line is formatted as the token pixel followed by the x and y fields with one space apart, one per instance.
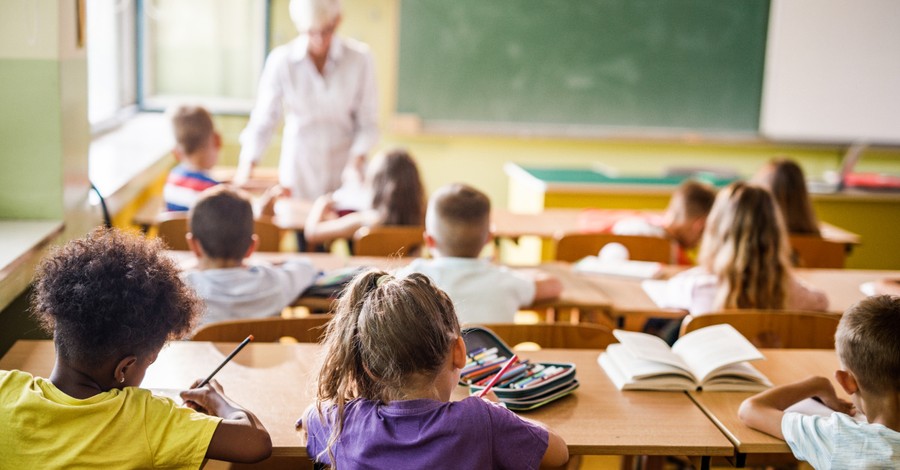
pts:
pixel 563 114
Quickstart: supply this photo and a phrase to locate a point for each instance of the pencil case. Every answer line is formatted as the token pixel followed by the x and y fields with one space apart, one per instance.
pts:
pixel 547 382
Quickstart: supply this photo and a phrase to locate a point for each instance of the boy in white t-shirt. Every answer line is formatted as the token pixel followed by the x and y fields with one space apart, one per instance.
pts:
pixel 868 346
pixel 457 227
pixel 221 235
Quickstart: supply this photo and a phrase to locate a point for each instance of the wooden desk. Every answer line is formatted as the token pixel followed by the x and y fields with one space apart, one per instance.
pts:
pixel 781 367
pixel 274 381
pixel 841 286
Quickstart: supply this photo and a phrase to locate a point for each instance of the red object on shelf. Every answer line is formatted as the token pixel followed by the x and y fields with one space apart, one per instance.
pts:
pixel 872 181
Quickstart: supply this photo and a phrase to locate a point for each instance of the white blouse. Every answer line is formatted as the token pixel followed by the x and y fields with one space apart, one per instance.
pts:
pixel 328 117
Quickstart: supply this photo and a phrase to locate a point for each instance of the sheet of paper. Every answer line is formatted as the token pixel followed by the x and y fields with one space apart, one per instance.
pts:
pixel 710 348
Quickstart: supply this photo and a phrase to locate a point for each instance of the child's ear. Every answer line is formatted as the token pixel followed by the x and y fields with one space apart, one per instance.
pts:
pixel 459 353
pixel 847 381
pixel 429 240
pixel 217 140
pixel 254 243
pixel 194 244
pixel 178 154
pixel 123 368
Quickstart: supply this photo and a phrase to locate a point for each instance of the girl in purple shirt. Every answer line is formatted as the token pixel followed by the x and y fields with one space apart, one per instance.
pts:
pixel 393 354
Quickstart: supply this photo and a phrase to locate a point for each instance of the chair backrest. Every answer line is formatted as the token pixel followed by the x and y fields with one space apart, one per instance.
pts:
pixel 305 330
pixel 816 252
pixel 269 235
pixel 574 246
pixel 554 335
pixel 172 227
pixel 773 328
pixel 388 240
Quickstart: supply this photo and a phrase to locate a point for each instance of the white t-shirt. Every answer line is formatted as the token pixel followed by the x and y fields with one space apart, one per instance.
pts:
pixel 481 291
pixel 838 441
pixel 250 292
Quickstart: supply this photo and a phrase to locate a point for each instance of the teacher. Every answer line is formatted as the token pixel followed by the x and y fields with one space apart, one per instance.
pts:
pixel 324 87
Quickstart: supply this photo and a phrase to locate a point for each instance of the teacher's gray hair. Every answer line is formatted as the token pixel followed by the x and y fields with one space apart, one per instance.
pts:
pixel 313 14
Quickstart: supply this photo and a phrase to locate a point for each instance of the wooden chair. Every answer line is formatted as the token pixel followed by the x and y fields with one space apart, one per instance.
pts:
pixel 388 240
pixel 305 330
pixel 172 227
pixel 773 328
pixel 574 246
pixel 816 252
pixel 554 335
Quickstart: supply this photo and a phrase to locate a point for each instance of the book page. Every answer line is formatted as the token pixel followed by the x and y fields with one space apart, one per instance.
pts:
pixel 740 377
pixel 634 368
pixel 649 348
pixel 710 348
pixel 671 378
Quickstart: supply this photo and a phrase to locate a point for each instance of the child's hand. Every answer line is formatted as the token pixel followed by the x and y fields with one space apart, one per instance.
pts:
pixel 489 396
pixel 208 399
pixel 830 399
pixel 267 201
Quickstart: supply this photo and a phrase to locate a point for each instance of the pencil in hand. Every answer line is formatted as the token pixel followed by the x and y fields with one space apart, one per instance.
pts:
pixel 230 356
pixel 490 385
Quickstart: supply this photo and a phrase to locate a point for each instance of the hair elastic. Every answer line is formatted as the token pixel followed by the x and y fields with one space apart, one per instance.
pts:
pixel 382 279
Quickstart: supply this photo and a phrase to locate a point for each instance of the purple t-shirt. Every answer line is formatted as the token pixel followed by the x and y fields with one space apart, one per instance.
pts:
pixel 429 434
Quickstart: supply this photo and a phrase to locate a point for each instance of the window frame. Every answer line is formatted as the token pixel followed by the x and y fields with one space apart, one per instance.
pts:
pixel 147 102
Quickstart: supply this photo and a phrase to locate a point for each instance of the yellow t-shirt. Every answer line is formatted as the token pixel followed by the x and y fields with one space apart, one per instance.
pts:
pixel 42 427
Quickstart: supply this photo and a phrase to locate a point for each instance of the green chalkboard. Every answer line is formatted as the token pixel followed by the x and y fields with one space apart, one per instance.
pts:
pixel 669 65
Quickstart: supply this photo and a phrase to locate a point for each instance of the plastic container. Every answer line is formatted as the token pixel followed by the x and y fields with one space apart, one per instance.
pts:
pixel 531 395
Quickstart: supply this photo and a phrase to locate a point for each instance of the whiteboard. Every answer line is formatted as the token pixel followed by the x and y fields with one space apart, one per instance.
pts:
pixel 832 72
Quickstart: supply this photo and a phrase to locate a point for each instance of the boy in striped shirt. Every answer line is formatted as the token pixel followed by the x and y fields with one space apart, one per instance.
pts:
pixel 197 146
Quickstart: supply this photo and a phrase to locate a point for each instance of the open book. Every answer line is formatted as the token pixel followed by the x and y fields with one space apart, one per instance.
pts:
pixel 712 358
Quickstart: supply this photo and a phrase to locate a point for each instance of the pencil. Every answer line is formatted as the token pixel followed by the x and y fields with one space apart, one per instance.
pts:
pixel 487 388
pixel 233 353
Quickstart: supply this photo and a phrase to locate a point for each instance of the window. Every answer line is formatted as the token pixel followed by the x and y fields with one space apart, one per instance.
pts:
pixel 202 51
pixel 112 45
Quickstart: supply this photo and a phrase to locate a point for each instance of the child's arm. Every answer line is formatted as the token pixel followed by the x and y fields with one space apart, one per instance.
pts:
pixel 557 453
pixel 546 286
pixel 324 225
pixel 266 205
pixel 240 437
pixel 765 410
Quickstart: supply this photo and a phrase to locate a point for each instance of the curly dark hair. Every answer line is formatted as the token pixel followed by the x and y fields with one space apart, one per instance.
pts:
pixel 112 293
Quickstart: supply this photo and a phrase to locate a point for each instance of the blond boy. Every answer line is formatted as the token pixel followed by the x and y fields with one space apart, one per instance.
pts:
pixel 868 346
pixel 197 146
pixel 221 236
pixel 457 227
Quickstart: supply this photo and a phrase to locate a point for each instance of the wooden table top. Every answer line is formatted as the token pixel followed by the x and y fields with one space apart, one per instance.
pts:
pixel 782 366
pixel 275 382
pixel 841 286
